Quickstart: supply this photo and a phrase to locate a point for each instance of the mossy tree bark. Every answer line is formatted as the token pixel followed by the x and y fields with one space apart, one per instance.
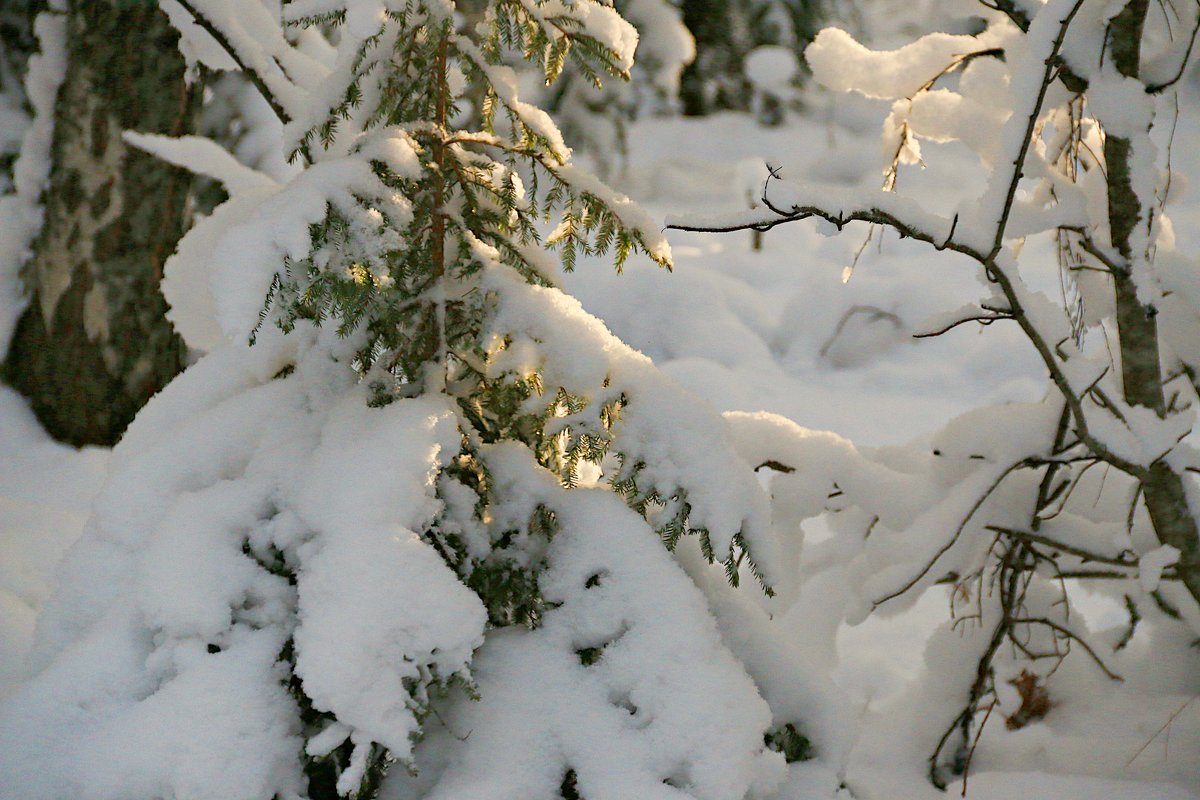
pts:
pixel 94 343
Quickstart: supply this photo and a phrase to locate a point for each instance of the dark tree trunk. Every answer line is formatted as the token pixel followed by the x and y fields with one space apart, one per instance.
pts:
pixel 94 344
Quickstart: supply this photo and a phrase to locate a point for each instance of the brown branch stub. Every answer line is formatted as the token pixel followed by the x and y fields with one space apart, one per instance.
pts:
pixel 983 319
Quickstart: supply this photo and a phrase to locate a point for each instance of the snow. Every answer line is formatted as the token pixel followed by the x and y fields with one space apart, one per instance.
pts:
pixel 665 45
pixel 745 329
pixel 166 610
pixel 203 157
pixel 599 22
pixel 842 64
pixel 172 597
pixel 659 423
pixel 21 212
pixel 354 500
pixel 1152 564
pixel 47 492
pixel 664 698
pixel 771 68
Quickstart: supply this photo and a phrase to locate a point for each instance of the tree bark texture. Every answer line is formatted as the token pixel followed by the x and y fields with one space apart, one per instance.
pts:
pixel 1141 374
pixel 94 344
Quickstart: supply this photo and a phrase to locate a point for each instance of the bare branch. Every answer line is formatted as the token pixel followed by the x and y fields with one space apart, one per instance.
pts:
pixel 1023 464
pixel 982 319
pixel 1046 541
pixel 1052 64
pixel 1091 248
pixel 1157 88
pixel 775 465
pixel 1011 10
pixel 1070 635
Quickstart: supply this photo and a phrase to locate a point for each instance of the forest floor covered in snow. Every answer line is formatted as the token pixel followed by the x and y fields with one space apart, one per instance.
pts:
pixel 779 329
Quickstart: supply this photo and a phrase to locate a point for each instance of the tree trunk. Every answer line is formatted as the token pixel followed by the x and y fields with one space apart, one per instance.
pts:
pixel 94 344
pixel 1141 374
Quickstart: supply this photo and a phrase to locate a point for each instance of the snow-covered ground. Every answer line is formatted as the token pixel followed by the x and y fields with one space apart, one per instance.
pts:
pixel 779 329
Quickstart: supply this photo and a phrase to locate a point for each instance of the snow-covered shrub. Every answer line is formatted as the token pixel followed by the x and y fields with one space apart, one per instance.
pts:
pixel 411 504
pixel 1015 506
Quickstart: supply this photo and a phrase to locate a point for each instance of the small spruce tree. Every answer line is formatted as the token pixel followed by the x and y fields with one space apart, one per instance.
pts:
pixel 411 507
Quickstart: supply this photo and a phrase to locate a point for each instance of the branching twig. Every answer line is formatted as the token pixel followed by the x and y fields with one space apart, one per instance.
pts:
pixel 1023 464
pixel 988 260
pixel 1165 725
pixel 1156 88
pixel 1070 635
pixel 1074 550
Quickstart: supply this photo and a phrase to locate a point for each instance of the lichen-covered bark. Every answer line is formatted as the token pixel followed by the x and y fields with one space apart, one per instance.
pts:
pixel 1141 375
pixel 95 344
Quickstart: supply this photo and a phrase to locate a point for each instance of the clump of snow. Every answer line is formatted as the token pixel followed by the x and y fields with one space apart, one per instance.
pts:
pixel 665 44
pixel 173 579
pixel 771 68
pixel 659 425
pixel 21 211
pixel 655 707
pixel 370 585
pixel 1152 564
pixel 843 64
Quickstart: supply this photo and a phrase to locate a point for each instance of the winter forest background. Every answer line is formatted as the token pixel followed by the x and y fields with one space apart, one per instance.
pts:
pixel 337 460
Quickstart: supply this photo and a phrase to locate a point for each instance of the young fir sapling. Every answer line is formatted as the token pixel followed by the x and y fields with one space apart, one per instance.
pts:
pixel 411 507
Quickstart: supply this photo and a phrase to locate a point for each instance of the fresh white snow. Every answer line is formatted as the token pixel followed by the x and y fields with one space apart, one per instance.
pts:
pixel 813 370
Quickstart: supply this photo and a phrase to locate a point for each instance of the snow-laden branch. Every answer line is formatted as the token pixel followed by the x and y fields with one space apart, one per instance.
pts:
pixel 260 64
pixel 977 230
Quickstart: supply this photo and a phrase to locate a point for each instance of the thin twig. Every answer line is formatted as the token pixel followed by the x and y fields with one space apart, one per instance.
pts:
pixel 1070 636
pixel 1165 725
pixel 1156 88
pixel 1074 550
pixel 982 319
pixel 974 744
pixel 957 533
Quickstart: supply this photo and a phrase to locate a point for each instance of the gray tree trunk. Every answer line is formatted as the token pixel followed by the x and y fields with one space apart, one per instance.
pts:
pixel 1162 487
pixel 94 343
